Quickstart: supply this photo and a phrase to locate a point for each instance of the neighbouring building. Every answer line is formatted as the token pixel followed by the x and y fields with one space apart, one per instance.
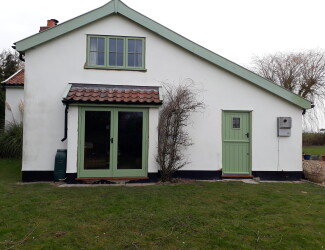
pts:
pixel 14 106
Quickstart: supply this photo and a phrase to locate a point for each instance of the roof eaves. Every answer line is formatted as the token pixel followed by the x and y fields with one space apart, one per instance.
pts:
pixel 66 91
pixel 66 27
pixel 16 85
pixel 10 77
pixel 212 57
pixel 134 104
pixel 116 6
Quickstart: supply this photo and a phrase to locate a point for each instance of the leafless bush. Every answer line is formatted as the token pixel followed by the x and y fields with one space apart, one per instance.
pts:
pixel 303 73
pixel 179 103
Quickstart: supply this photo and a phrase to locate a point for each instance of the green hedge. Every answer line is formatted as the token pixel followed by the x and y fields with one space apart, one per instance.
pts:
pixel 313 139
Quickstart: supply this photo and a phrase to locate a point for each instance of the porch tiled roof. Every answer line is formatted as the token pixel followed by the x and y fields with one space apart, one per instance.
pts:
pixel 16 79
pixel 113 94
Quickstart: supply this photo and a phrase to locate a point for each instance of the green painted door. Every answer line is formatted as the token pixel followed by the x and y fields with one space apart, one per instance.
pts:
pixel 113 142
pixel 236 146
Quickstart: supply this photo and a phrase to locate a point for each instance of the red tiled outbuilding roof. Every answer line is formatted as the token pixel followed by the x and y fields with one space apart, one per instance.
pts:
pixel 17 79
pixel 82 93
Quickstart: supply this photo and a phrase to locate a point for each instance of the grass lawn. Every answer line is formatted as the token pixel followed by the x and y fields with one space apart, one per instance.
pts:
pixel 199 215
pixel 314 150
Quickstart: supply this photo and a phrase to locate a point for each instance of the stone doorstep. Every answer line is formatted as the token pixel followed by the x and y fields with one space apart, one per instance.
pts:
pixel 237 176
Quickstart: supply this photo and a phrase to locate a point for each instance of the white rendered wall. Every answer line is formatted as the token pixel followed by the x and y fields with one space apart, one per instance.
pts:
pixel 153 140
pixel 14 96
pixel 72 146
pixel 50 67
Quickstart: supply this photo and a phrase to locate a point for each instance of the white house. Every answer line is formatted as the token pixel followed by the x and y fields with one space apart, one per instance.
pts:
pixel 105 69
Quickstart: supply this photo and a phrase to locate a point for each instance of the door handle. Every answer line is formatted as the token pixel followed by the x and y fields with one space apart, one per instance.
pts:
pixel 247 134
pixel 112 140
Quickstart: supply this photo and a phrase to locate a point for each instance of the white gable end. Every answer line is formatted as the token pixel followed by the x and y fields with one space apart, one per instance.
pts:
pixel 52 65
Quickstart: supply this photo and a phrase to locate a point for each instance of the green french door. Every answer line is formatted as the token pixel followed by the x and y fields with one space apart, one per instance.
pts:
pixel 236 145
pixel 113 142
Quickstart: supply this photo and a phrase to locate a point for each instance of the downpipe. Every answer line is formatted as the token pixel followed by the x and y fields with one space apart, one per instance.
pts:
pixel 65 122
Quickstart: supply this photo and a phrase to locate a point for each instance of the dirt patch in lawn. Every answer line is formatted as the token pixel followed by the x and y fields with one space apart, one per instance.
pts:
pixel 177 181
pixel 314 171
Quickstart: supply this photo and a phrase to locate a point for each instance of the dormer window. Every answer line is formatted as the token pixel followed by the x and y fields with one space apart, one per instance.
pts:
pixel 113 52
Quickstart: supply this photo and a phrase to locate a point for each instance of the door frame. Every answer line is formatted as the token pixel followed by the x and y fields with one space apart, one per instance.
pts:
pixel 249 112
pixel 113 171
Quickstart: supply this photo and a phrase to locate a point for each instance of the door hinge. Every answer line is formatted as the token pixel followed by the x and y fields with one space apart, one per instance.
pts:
pixel 112 140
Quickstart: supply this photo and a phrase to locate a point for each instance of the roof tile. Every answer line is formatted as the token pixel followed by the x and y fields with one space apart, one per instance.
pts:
pixel 113 93
pixel 16 79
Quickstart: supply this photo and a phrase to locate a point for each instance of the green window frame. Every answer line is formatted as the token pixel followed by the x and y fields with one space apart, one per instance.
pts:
pixel 113 171
pixel 117 53
pixel 97 51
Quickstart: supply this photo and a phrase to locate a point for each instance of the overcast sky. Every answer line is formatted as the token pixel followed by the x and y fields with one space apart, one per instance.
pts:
pixel 234 29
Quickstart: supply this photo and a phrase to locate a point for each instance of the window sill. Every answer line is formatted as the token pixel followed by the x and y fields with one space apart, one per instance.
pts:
pixel 115 69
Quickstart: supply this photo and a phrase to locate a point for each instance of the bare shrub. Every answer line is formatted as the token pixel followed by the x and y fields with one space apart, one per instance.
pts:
pixel 303 73
pixel 179 103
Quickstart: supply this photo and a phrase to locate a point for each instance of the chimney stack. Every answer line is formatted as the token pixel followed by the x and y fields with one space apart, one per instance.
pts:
pixel 50 23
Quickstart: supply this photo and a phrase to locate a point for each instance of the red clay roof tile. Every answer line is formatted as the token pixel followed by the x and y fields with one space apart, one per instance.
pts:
pixel 16 79
pixel 113 93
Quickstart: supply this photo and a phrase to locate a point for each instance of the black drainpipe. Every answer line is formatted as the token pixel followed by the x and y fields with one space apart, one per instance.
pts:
pixel 65 122
pixel 21 57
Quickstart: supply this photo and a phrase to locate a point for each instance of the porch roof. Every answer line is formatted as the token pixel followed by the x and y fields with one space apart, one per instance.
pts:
pixel 17 79
pixel 125 94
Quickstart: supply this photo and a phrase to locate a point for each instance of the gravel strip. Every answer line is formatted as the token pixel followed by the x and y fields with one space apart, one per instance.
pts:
pixel 314 170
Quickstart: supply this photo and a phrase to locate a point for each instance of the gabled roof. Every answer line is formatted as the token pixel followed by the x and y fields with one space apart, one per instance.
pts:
pixel 16 79
pixel 116 6
pixel 94 93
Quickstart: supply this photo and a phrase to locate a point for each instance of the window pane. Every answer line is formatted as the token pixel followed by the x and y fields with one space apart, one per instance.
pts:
pixel 101 44
pixel 130 126
pixel 97 140
pixel 112 44
pixel 120 59
pixel 112 59
pixel 138 60
pixel 131 45
pixel 93 58
pixel 101 58
pixel 131 60
pixel 120 45
pixel 93 44
pixel 235 122
pixel 138 47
